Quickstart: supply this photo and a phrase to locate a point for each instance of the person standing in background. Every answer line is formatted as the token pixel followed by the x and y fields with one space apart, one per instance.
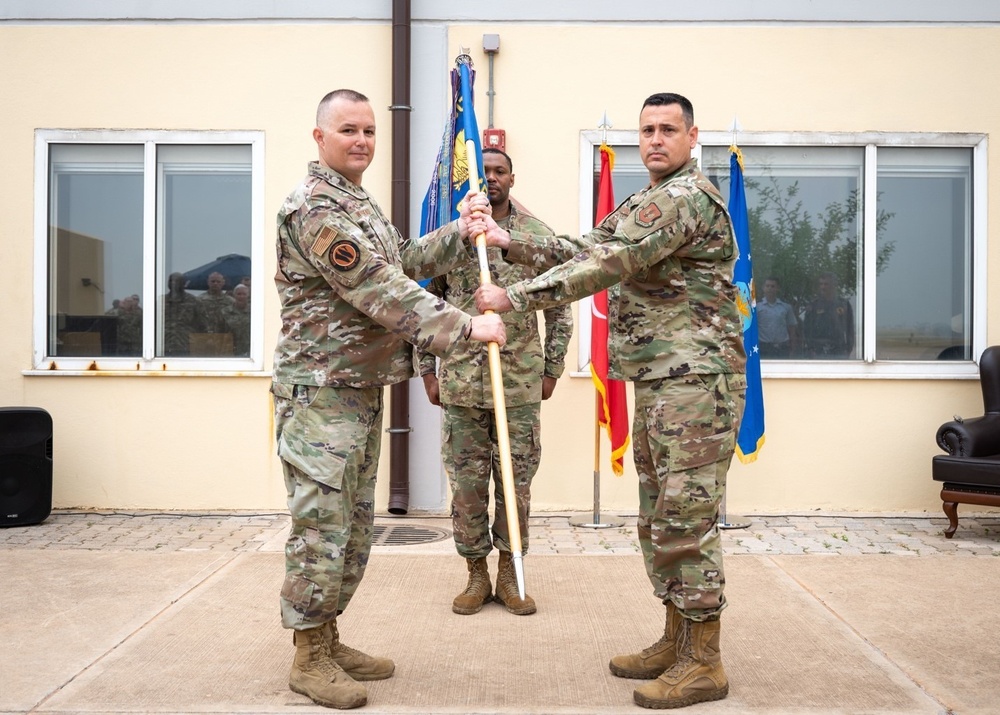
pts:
pixel 462 388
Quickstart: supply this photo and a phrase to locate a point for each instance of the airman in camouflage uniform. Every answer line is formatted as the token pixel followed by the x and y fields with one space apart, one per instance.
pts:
pixel 469 448
pixel 348 307
pixel 129 327
pixel 182 315
pixel 236 319
pixel 676 334
pixel 215 303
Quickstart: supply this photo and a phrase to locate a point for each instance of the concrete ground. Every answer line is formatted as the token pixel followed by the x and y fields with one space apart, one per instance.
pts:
pixel 177 613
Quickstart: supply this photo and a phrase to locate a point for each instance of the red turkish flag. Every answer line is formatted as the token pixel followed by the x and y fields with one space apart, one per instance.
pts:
pixel 612 410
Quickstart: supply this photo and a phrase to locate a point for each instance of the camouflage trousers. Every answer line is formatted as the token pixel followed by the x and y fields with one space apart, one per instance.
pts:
pixel 470 453
pixel 329 441
pixel 684 436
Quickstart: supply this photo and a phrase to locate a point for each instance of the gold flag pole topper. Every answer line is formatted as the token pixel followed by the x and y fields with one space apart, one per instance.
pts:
pixel 499 403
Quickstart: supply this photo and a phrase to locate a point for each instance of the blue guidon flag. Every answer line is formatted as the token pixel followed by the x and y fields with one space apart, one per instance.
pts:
pixel 450 181
pixel 751 437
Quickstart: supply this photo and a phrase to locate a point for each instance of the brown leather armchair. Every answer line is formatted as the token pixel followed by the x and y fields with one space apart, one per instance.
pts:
pixel 971 469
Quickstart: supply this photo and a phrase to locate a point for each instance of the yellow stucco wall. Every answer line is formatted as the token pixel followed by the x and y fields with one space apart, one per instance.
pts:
pixel 205 442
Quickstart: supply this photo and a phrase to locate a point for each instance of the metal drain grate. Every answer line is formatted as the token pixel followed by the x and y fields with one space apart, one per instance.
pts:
pixel 405 535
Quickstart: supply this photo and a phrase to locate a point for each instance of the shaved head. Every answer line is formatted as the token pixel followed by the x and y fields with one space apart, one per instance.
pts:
pixel 323 110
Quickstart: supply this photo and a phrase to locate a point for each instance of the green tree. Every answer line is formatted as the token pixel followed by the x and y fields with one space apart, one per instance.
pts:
pixel 796 246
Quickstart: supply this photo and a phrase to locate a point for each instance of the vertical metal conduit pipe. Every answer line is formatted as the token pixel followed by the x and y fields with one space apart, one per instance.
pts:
pixel 399 407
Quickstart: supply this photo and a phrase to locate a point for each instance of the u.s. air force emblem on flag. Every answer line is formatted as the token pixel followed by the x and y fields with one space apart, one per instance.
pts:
pixel 744 303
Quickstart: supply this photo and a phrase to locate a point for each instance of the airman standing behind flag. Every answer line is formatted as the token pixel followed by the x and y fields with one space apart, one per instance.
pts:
pixel 349 311
pixel 237 320
pixel 215 302
pixel 677 335
pixel 469 448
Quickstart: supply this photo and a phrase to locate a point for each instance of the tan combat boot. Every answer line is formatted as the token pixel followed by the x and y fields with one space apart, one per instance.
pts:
pixel 477 592
pixel 507 588
pixel 696 677
pixel 315 675
pixel 652 661
pixel 356 664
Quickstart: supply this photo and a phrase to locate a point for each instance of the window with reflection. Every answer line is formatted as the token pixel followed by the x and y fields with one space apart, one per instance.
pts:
pixel 861 252
pixel 149 248
pixel 806 232
pixel 203 234
pixel 924 284
pixel 95 250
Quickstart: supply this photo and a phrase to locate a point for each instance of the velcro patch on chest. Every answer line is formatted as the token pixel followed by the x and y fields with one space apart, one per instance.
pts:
pixel 326 236
pixel 344 255
pixel 648 215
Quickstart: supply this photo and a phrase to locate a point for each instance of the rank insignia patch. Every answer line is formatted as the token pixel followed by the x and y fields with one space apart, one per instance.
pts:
pixel 344 255
pixel 647 215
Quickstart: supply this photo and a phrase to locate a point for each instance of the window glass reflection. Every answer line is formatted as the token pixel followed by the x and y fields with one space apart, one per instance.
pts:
pixel 924 308
pixel 806 233
pixel 95 250
pixel 203 236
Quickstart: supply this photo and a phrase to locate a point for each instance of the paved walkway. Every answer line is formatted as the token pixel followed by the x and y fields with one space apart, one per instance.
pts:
pixel 551 533
pixel 830 614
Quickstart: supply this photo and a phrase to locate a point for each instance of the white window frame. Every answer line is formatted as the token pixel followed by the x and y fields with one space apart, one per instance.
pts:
pixel 45 364
pixel 867 367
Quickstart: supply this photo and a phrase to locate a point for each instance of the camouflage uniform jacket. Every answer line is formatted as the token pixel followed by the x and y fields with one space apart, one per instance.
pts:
pixel 237 322
pixel 464 377
pixel 348 308
pixel 182 315
pixel 672 247
pixel 214 309
pixel 130 332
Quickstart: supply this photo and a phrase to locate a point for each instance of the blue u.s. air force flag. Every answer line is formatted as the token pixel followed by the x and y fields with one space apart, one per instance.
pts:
pixel 751 437
pixel 450 181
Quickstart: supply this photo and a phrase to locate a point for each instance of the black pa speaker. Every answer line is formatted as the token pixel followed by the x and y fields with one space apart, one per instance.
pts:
pixel 25 465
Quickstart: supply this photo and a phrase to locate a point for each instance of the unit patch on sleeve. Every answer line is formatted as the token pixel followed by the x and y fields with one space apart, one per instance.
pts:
pixel 326 236
pixel 344 255
pixel 647 215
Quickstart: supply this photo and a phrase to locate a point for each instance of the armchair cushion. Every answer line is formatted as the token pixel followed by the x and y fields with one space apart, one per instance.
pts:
pixel 971 471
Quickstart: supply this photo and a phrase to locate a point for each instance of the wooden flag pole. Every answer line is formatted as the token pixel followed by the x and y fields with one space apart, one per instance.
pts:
pixel 499 402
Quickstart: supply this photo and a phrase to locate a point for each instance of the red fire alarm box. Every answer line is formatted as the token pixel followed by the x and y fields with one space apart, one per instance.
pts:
pixel 495 139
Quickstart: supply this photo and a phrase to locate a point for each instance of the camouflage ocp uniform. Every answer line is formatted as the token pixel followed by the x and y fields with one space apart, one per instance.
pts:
pixel 182 315
pixel 469 448
pixel 130 332
pixel 675 331
pixel 237 322
pixel 349 311
pixel 214 308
